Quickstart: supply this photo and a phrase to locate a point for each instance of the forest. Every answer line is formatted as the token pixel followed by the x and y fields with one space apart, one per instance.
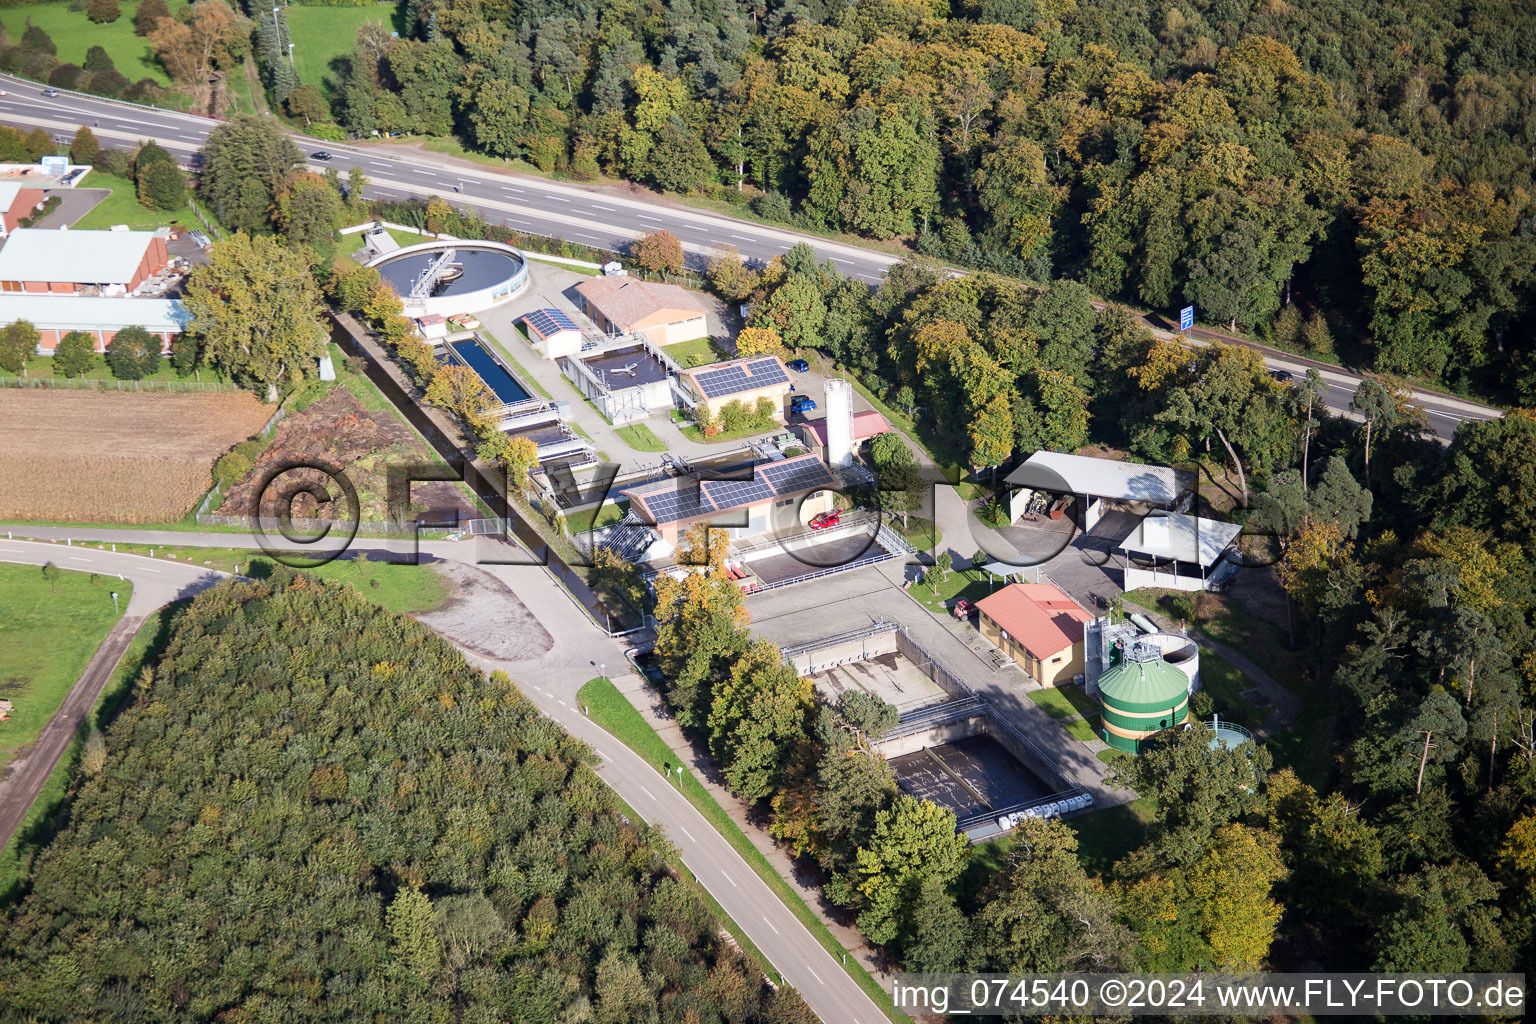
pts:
pixel 312 809
pixel 1367 168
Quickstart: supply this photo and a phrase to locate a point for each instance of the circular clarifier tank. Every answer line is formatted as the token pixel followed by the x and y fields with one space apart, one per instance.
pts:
pixel 475 276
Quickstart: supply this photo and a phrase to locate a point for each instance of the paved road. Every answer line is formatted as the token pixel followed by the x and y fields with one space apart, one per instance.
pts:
pixel 551 680
pixel 154 584
pixel 597 215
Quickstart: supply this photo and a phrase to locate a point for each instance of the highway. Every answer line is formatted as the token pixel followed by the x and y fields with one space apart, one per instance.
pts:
pixel 603 216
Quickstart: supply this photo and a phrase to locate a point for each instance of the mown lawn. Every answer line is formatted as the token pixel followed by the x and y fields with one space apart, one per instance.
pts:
pixel 593 519
pixel 1064 701
pixel 122 207
pixel 349 244
pixel 73 33
pixel 641 438
pixel 609 708
pixel 1104 837
pixel 48 633
pixel 696 352
pixel 321 34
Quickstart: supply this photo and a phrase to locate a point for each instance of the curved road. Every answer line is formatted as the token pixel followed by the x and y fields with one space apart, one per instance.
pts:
pixel 602 216
pixel 551 681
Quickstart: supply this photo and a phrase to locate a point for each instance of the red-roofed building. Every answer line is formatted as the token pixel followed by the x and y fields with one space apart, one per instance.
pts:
pixel 866 424
pixel 1037 626
pixel 15 203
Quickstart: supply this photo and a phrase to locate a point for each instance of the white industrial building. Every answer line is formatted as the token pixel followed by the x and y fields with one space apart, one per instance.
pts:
pixel 1176 551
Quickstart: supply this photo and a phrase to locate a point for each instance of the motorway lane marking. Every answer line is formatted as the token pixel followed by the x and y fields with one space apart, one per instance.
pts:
pixel 558 199
pixel 728 878
pixel 814 974
pixel 688 834
pixel 564 704
pixel 13 551
pixel 146 568
pixel 745 238
pixel 647 792
pixel 608 209
pixel 646 216
pixel 839 259
pixel 77 558
pixel 770 925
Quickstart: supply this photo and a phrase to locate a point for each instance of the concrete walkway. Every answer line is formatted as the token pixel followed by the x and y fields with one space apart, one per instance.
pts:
pixel 74 203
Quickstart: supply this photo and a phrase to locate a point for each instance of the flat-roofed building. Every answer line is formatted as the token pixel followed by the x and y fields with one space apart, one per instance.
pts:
pixel 101 317
pixel 716 385
pixel 552 332
pixel 1037 626
pixel 107 263
pixel 16 202
pixel 666 313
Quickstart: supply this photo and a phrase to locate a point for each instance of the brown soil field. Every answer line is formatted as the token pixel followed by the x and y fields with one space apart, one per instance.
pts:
pixel 86 456
pixel 337 431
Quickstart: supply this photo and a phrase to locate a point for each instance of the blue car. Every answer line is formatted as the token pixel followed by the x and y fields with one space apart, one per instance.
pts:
pixel 799 365
pixel 802 403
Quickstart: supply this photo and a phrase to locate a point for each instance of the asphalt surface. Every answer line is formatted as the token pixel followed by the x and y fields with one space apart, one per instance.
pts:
pixel 551 681
pixel 596 215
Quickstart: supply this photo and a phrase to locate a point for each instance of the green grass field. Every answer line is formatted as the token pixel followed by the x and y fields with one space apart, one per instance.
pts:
pixel 32 834
pixel 696 352
pixel 48 632
pixel 349 244
pixel 73 33
pixel 641 438
pixel 122 207
pixel 606 706
pixel 1103 837
pixel 321 34
pixel 1064 701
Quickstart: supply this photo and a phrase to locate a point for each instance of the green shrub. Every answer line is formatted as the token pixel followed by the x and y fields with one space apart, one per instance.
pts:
pixel 133 354
pixel 75 354
pixel 231 468
pixel 1202 704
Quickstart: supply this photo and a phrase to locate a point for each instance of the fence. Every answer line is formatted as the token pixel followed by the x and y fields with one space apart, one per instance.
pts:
pixel 81 384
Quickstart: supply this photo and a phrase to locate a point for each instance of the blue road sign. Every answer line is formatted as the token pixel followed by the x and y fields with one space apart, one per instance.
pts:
pixel 1186 318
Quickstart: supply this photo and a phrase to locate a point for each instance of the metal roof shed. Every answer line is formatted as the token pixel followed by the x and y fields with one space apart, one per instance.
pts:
pixel 1094 478
pixel 1194 543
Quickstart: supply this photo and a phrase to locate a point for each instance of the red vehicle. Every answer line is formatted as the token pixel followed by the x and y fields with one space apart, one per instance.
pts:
pixel 827 519
pixel 961 609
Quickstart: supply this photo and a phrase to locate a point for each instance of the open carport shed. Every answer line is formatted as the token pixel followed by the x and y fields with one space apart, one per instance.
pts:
pixel 1094 481
pixel 1182 552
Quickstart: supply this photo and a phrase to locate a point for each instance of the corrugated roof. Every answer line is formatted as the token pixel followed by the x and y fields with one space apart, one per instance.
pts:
pixel 85 257
pixel 1101 478
pixel 679 498
pixel 1183 537
pixel 8 193
pixel 626 300
pixel 1038 616
pixel 90 313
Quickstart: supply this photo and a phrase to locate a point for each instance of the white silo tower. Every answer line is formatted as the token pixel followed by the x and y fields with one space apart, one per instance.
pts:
pixel 839 396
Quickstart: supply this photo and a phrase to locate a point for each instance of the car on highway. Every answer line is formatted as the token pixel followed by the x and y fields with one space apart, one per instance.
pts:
pixel 802 403
pixel 50 92
pixel 799 365
pixel 322 155
pixel 1282 376
pixel 827 519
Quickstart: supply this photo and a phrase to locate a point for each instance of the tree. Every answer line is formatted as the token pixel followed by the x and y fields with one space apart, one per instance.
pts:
pixel 1309 392
pixel 514 455
pixel 256 311
pixel 698 636
pixel 501 114
pixel 1445 921
pixel 308 102
pixel 18 343
pixel 1439 718
pixel 913 842
pixel 51 574
pixel 729 276
pixel 97 59
pixel 75 354
pixel 1042 912
pixel 84 149
pixel 1064 321
pixel 185 353
pixel 147 15
pixel 209 37
pixel 937 938
pixel 660 252
pixel 757 341
pixel 352 285
pixel 415 951
pixel 1338 498
pixel 796 310
pixel 133 354
pixel 1378 405
pixel 1197 788
pixel 309 210
pixel 757 716
pixel 460 391
pixel 247 161
pixel 162 186
pixel 103 12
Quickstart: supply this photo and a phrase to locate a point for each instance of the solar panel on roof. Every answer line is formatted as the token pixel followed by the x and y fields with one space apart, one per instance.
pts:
pixel 788 477
pixel 726 494
pixel 550 321
pixel 735 378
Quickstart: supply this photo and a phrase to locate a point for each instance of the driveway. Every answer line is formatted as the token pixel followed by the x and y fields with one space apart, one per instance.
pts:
pixel 74 203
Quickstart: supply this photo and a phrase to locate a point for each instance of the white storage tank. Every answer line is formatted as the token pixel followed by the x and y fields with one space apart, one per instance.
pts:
pixel 1179 651
pixel 839 396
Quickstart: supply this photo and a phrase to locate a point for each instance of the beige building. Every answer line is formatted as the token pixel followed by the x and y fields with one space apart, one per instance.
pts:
pixel 1037 626
pixel 621 305
pixel 715 385
pixel 866 424
pixel 777 496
